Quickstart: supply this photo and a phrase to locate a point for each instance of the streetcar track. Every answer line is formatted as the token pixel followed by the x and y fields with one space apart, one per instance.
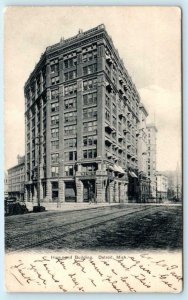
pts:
pixel 65 224
pixel 8 223
pixel 83 227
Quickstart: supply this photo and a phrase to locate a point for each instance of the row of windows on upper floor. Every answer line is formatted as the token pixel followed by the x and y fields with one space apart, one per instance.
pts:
pixel 72 155
pixel 72 116
pixel 72 142
pixel 70 62
pixel 88 99
pixel 72 75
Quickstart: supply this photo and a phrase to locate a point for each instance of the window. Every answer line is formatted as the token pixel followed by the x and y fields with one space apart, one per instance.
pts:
pixel 70 89
pixel 55 80
pixel 90 140
pixel 54 158
pixel 114 110
pixel 66 64
pixel 55 185
pixel 33 133
pixel 55 107
pixel 90 113
pixel 66 76
pixel 114 135
pixel 89 69
pixel 70 117
pixel 89 99
pixel 54 145
pixel 107 115
pixel 90 126
pixel 89 168
pixel 55 171
pixel 72 155
pixel 89 54
pixel 55 120
pixel 54 68
pixel 69 171
pixel 89 84
pixel 33 122
pixel 113 121
pixel 69 63
pixel 107 70
pixel 70 130
pixel 55 132
pixel 70 103
pixel 107 101
pixel 70 143
pixel 70 75
pixel 90 153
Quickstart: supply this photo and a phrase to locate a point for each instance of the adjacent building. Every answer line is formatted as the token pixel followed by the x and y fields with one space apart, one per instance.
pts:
pixel 152 154
pixel 162 186
pixel 143 180
pixel 82 124
pixel 174 184
pixel 5 185
pixel 16 179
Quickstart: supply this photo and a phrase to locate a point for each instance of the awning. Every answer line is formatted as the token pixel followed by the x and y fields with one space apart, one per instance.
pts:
pixel 116 169
pixel 133 174
pixel 110 168
pixel 122 171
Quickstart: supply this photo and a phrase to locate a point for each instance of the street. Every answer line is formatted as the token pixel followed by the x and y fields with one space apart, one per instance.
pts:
pixel 120 227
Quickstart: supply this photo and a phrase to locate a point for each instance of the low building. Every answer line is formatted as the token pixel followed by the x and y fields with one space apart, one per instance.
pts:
pixel 16 179
pixel 5 185
pixel 162 186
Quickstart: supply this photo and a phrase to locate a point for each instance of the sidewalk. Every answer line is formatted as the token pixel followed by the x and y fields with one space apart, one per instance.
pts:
pixel 70 206
pixel 67 206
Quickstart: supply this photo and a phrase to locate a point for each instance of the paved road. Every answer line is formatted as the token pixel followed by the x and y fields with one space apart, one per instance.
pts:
pixel 115 228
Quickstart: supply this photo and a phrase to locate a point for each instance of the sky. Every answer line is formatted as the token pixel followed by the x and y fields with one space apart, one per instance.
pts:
pixel 148 40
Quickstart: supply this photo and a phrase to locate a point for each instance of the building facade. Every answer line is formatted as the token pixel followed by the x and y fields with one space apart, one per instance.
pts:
pixel 174 184
pixel 81 123
pixel 144 181
pixel 152 155
pixel 16 179
pixel 5 185
pixel 162 186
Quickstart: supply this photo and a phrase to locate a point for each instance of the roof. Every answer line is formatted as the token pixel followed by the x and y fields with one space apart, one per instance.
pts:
pixel 152 125
pixel 141 106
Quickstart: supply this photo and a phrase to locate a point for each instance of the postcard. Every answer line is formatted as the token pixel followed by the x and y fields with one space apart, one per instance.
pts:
pixel 93 149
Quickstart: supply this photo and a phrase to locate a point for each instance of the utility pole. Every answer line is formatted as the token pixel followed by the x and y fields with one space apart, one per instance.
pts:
pixel 177 176
pixel 39 142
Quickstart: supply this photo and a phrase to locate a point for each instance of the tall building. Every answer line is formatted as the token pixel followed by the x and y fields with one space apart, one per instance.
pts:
pixel 152 154
pixel 81 123
pixel 162 186
pixel 16 179
pixel 144 181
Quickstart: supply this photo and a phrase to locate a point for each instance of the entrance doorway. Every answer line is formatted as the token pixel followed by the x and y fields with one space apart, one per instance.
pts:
pixel 89 190
pixel 70 192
